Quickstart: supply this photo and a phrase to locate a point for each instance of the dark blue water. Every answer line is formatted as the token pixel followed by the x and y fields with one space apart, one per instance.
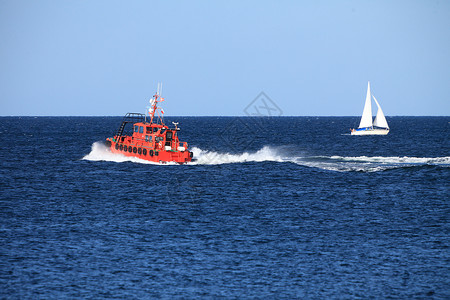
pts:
pixel 288 207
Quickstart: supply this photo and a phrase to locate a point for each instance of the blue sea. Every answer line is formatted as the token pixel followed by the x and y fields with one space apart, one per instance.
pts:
pixel 272 207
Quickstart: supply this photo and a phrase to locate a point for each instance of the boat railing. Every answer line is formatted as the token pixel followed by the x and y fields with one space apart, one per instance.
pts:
pixel 130 118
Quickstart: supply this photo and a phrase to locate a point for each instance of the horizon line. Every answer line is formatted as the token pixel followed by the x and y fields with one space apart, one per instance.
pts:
pixel 208 116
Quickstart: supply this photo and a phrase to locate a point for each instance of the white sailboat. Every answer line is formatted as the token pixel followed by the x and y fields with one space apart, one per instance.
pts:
pixel 379 126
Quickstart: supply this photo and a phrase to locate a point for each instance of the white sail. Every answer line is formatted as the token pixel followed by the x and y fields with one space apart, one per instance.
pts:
pixel 366 118
pixel 380 119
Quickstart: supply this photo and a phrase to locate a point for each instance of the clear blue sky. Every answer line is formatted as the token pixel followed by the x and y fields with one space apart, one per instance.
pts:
pixel 312 58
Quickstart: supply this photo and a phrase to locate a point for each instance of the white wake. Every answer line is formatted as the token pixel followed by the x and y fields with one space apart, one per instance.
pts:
pixel 203 157
pixel 100 152
pixel 368 163
pixel 396 159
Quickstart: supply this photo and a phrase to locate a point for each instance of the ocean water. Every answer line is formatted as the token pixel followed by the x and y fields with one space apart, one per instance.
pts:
pixel 282 207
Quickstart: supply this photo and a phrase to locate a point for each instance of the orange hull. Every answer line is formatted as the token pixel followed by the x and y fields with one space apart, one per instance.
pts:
pixel 146 151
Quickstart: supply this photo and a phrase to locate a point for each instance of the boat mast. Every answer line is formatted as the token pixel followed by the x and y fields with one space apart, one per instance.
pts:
pixel 153 102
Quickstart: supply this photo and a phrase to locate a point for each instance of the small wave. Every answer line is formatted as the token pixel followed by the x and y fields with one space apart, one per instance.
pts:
pixel 100 152
pixel 395 159
pixel 369 164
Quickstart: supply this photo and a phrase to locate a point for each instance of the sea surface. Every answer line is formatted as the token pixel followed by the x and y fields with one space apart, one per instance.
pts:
pixel 272 207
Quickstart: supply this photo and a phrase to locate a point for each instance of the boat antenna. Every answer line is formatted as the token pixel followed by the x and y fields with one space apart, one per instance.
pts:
pixel 153 102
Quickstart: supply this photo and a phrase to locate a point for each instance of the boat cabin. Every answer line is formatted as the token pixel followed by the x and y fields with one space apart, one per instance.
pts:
pixel 157 136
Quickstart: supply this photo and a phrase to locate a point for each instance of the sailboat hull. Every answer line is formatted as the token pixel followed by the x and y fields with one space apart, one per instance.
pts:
pixel 370 131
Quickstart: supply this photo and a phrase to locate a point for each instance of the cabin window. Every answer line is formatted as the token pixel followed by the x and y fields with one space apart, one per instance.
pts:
pixel 169 135
pixel 141 129
pixel 136 128
pixel 149 138
pixel 149 129
pixel 146 138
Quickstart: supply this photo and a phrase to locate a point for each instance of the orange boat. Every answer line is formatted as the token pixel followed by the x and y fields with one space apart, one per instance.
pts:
pixel 150 140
